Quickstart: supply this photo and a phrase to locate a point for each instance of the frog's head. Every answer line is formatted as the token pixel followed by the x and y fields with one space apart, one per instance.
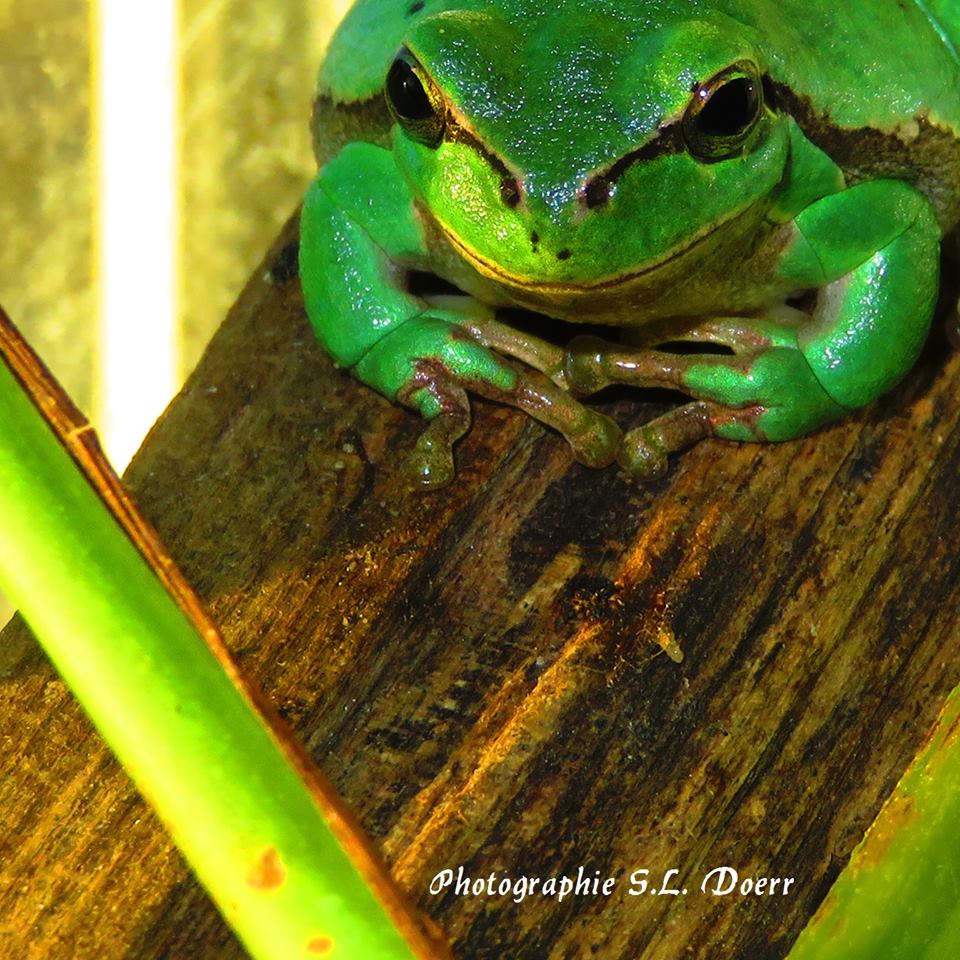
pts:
pixel 570 152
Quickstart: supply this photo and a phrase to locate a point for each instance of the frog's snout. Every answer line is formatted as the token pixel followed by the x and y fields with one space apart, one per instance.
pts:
pixel 563 254
pixel 552 212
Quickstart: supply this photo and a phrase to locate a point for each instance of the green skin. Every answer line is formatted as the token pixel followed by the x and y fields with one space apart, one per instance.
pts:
pixel 564 166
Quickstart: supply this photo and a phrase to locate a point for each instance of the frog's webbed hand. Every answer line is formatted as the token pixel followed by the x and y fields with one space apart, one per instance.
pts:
pixel 358 232
pixel 872 252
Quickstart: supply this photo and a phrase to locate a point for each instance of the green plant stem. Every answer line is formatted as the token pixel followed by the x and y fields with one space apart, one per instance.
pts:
pixel 254 832
pixel 898 896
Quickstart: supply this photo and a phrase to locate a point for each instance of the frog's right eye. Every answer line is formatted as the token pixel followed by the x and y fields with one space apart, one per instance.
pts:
pixel 414 101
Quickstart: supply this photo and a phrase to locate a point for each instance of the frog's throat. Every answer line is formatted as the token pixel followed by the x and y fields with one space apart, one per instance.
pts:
pixel 494 271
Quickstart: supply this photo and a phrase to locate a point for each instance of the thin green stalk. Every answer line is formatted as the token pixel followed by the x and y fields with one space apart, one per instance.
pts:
pixel 899 897
pixel 262 831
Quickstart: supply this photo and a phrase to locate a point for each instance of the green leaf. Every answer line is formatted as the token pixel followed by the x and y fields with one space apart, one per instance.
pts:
pixel 265 834
pixel 899 897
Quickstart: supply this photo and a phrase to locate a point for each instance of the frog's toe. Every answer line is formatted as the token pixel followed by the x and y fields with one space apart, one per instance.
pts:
pixel 645 450
pixel 643 453
pixel 595 438
pixel 585 368
pixel 430 465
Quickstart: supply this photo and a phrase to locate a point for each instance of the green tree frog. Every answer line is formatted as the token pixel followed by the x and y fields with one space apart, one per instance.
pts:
pixel 768 181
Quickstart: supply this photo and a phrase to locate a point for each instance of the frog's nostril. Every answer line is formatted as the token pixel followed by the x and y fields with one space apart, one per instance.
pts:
pixel 563 254
pixel 597 192
pixel 510 191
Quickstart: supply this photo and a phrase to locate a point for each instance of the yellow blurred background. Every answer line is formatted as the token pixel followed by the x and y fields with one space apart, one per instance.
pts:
pixel 46 185
pixel 247 78
pixel 245 73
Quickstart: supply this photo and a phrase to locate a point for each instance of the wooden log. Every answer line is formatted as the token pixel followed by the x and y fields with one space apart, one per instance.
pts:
pixel 489 673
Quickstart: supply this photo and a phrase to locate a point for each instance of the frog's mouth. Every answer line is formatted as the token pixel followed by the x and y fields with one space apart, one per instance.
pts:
pixel 495 271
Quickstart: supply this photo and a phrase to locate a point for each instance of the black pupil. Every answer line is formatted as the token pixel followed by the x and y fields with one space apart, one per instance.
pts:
pixel 730 109
pixel 406 92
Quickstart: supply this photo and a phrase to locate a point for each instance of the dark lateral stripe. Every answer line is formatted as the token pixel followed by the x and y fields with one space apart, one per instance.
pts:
pixel 510 190
pixel 851 147
pixel 850 144
pixel 866 151
pixel 372 107
pixel 370 119
pixel 457 134
pixel 335 124
pixel 668 140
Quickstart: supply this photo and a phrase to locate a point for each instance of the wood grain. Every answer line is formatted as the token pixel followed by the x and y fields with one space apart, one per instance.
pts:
pixel 482 671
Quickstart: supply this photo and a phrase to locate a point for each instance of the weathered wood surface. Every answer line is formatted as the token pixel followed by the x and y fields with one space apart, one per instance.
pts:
pixel 480 672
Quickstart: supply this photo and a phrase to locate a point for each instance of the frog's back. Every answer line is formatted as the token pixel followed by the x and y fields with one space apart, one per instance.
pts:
pixel 945 18
pixel 876 65
pixel 875 62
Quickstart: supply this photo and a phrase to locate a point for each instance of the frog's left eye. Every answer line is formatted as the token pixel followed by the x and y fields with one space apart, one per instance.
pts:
pixel 414 101
pixel 723 112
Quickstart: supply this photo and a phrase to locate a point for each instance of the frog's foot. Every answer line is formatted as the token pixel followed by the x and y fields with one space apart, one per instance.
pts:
pixel 481 323
pixel 432 361
pixel 763 390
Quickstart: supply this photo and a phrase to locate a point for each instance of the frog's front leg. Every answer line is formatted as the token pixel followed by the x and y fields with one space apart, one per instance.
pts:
pixel 359 236
pixel 872 252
